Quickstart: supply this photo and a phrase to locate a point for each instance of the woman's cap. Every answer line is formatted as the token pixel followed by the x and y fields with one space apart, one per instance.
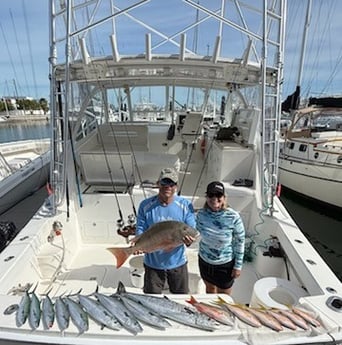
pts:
pixel 215 187
pixel 169 173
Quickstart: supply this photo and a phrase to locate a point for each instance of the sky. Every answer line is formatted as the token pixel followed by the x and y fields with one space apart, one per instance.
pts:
pixel 24 42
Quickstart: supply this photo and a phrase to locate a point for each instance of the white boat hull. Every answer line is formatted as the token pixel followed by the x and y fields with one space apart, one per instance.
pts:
pixel 319 182
pixel 24 182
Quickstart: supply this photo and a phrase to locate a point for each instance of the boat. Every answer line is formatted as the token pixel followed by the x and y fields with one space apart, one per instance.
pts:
pixel 310 161
pixel 102 170
pixel 24 168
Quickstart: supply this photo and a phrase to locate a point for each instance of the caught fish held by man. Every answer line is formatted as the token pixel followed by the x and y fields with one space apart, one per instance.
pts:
pixel 160 236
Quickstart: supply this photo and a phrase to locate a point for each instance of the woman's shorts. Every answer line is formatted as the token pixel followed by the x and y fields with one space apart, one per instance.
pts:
pixel 218 275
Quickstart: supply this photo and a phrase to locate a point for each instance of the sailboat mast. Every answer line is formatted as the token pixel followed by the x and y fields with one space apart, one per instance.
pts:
pixel 305 35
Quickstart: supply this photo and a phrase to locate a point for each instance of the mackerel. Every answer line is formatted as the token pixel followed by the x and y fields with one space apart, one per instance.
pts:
pixel 62 314
pixel 99 313
pixel 118 309
pixel 173 310
pixel 144 314
pixel 78 316
pixel 23 309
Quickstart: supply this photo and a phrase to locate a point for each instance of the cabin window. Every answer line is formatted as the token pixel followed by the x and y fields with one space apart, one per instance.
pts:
pixel 290 145
pixel 339 159
pixel 302 148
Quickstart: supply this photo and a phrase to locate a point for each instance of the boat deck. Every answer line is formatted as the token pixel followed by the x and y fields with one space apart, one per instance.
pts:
pixel 94 267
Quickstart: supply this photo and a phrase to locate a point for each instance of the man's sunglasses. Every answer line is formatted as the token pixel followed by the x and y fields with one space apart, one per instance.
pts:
pixel 167 182
pixel 214 195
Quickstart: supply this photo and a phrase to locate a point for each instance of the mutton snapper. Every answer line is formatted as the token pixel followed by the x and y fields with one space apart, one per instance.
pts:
pixel 165 235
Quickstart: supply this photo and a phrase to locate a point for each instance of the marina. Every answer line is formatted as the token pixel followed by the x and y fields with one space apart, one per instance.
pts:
pixel 106 158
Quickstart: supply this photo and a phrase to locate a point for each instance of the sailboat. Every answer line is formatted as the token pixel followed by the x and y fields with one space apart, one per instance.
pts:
pixel 310 161
pixel 102 170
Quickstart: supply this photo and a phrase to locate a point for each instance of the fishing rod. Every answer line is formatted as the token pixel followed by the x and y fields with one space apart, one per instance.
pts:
pixel 122 165
pixel 198 130
pixel 120 220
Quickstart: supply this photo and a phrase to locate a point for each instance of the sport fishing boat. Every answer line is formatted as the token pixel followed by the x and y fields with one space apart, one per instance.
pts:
pixel 310 160
pixel 24 168
pixel 102 170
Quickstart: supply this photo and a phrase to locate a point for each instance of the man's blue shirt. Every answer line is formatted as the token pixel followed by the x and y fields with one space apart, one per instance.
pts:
pixel 152 211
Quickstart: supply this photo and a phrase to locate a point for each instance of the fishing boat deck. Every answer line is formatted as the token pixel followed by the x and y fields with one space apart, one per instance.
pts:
pixel 239 331
pixel 93 267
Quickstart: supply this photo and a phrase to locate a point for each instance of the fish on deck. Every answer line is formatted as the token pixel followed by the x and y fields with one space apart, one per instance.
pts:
pixel 165 236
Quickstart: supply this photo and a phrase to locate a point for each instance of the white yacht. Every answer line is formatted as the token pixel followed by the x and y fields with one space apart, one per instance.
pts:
pixel 102 170
pixel 310 160
pixel 24 168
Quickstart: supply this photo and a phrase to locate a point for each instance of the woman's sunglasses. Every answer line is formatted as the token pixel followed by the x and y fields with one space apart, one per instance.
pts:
pixel 214 195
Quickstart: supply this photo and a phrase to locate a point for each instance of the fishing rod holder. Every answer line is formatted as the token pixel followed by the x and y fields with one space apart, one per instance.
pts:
pixel 57 227
pixel 129 229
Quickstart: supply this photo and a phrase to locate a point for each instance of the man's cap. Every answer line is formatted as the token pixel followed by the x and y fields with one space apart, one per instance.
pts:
pixel 169 173
pixel 215 187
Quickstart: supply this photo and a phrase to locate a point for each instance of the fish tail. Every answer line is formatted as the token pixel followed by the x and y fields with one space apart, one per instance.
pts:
pixel 121 255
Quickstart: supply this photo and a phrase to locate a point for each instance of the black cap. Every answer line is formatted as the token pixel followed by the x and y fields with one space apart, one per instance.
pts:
pixel 215 187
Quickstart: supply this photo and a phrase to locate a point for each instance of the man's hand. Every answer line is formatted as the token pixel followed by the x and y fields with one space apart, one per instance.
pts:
pixel 188 240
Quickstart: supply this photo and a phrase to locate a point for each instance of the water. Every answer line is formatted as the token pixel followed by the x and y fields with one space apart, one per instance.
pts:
pixel 14 132
pixel 320 225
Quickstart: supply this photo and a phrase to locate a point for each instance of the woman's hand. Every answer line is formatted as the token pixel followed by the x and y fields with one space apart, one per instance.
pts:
pixel 236 273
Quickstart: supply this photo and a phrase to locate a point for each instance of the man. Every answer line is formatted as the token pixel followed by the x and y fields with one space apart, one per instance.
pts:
pixel 161 266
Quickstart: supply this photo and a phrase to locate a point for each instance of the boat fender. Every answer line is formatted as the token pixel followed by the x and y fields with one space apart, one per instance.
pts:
pixel 8 231
pixel 171 131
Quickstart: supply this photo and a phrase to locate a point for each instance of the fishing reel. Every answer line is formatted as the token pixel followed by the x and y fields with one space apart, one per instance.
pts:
pixel 57 227
pixel 129 229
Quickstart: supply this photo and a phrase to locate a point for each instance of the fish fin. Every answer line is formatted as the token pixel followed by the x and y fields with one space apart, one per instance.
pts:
pixel 192 300
pixel 121 255
pixel 121 288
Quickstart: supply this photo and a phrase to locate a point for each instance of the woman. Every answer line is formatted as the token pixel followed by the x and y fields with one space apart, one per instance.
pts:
pixel 222 244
